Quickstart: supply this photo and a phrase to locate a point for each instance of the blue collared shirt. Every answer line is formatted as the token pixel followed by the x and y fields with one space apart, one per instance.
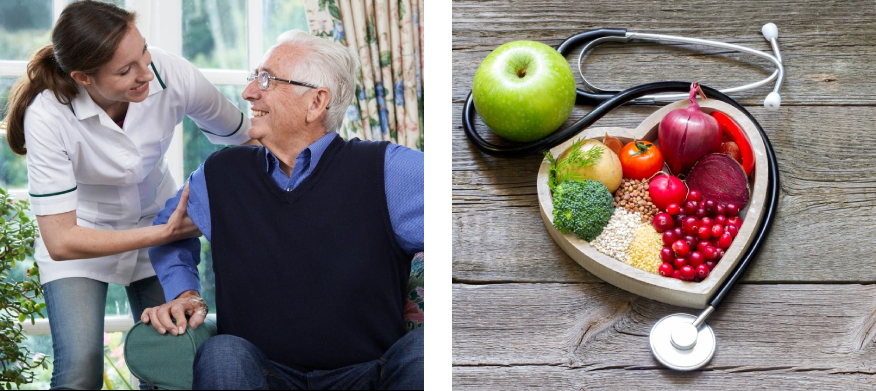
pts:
pixel 176 264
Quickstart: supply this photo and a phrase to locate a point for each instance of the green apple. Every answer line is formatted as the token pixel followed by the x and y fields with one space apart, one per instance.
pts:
pixel 524 90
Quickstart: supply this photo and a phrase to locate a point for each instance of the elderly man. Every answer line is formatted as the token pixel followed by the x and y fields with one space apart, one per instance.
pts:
pixel 312 240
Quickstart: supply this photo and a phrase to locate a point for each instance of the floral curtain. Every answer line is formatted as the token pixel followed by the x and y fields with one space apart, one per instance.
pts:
pixel 388 35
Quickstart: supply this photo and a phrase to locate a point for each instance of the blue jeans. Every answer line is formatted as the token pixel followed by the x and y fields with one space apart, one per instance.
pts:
pixel 227 362
pixel 76 311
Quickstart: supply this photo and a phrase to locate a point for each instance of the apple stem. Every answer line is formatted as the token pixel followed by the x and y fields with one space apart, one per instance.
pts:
pixel 521 73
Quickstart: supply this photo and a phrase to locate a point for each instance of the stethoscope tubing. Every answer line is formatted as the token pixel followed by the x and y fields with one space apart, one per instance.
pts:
pixel 608 104
pixel 776 59
pixel 770 206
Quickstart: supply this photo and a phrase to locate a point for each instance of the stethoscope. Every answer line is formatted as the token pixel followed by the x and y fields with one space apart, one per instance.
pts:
pixel 678 341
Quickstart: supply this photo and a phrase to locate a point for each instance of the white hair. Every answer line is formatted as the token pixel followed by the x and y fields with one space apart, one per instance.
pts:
pixel 326 64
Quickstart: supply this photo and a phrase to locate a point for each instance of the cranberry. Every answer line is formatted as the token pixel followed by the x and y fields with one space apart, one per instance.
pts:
pixel 706 222
pixel 709 205
pixel 703 271
pixel 676 274
pixel 702 245
pixel 663 222
pixel 717 230
pixel 681 248
pixel 679 218
pixel 667 255
pixel 690 240
pixel 726 240
pixel 679 232
pixel 694 195
pixel 695 259
pixel 673 209
pixel 736 220
pixel 701 212
pixel 732 210
pixel 711 253
pixel 691 225
pixel 669 237
pixel 733 230
pixel 679 263
pixel 720 219
pixel 710 265
pixel 697 279
pixel 704 233
pixel 720 210
pixel 690 207
pixel 688 273
pixel 666 270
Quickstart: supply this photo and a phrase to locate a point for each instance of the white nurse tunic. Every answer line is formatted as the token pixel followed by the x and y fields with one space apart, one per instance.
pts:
pixel 117 178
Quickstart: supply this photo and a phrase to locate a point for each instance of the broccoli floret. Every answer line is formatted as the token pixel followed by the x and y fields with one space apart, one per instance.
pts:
pixel 583 207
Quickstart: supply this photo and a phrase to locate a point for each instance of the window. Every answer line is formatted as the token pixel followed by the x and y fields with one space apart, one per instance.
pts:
pixel 214 34
pixel 24 26
pixel 224 38
pixel 13 171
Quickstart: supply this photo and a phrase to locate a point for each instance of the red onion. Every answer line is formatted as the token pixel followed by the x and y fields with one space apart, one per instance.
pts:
pixel 686 135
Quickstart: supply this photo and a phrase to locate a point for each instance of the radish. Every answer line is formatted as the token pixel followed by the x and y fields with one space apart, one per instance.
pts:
pixel 666 189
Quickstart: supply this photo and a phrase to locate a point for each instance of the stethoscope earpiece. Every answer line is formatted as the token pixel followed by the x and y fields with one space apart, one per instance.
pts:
pixel 772 101
pixel 770 31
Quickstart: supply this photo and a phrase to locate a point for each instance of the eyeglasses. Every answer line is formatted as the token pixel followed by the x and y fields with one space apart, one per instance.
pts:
pixel 264 80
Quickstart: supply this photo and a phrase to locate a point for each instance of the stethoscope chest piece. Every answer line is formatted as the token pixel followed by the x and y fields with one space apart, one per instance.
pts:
pixel 677 344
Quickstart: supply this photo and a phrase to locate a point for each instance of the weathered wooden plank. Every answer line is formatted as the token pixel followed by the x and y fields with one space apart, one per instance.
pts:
pixel 580 379
pixel 798 328
pixel 827 47
pixel 820 233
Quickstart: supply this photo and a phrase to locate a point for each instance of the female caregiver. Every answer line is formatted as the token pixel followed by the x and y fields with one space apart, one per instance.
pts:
pixel 95 114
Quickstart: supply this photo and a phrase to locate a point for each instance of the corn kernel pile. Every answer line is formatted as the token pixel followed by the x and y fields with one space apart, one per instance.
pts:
pixel 645 249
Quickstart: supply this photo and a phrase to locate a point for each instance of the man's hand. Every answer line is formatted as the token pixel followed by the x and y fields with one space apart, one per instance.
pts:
pixel 189 303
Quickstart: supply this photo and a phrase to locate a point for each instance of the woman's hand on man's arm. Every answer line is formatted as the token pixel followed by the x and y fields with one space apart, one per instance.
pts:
pixel 66 240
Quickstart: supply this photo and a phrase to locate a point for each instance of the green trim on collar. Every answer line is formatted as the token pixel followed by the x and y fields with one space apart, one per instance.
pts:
pixel 163 87
pixel 233 133
pixel 54 194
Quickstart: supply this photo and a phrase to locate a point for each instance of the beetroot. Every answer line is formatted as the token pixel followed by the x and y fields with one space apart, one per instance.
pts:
pixel 718 177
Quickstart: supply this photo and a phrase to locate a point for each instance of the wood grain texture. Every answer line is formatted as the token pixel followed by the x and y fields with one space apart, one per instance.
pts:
pixel 827 46
pixel 804 317
pixel 613 379
pixel 808 327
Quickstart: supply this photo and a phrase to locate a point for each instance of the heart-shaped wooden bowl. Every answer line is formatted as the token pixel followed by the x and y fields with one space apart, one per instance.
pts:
pixel 640 282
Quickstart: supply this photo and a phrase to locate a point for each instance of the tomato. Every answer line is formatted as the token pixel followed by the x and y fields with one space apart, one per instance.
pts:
pixel 640 160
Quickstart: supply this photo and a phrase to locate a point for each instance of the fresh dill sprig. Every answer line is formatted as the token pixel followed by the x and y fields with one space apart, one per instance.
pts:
pixel 566 169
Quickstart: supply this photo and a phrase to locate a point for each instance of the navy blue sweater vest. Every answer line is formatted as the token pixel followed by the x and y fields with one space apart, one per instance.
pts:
pixel 315 277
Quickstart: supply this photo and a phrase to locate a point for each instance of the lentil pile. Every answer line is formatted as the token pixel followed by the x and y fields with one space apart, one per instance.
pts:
pixel 645 249
pixel 617 236
pixel 632 195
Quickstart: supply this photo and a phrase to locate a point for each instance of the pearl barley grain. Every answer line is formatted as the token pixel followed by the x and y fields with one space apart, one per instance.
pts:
pixel 616 237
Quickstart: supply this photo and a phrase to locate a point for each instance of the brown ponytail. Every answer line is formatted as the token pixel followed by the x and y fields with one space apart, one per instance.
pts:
pixel 84 39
